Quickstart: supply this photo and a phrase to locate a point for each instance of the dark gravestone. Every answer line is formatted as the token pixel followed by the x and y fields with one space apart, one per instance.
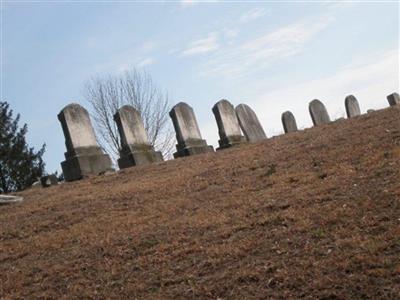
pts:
pixel 250 124
pixel 228 125
pixel 187 132
pixel 318 112
pixel 393 99
pixel 289 122
pixel 84 156
pixel 135 147
pixel 48 180
pixel 352 106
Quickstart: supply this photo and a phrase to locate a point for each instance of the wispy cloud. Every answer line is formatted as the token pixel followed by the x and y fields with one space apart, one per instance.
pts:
pixel 202 45
pixel 252 14
pixel 371 79
pixel 186 3
pixel 261 51
pixel 145 62
pixel 148 46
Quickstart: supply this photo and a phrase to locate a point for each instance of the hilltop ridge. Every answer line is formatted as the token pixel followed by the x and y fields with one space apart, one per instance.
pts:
pixel 313 214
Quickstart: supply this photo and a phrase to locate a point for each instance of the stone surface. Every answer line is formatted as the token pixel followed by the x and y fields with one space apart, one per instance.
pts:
pixel 393 99
pixel 228 125
pixel 187 132
pixel 352 106
pixel 84 156
pixel 135 147
pixel 8 199
pixel 49 180
pixel 318 112
pixel 249 123
pixel 370 111
pixel 289 122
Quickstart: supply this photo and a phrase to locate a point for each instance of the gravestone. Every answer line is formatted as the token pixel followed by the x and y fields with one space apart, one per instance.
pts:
pixel 187 132
pixel 318 112
pixel 228 125
pixel 393 99
pixel 135 147
pixel 250 124
pixel 84 156
pixel 8 199
pixel 49 180
pixel 289 122
pixel 352 106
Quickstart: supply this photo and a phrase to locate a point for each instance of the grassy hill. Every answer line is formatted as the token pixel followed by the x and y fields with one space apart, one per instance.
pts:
pixel 312 214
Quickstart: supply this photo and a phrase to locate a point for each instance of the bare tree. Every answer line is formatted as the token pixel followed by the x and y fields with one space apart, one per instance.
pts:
pixel 106 94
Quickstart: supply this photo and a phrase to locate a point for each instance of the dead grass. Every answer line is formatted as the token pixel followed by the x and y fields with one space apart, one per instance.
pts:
pixel 313 214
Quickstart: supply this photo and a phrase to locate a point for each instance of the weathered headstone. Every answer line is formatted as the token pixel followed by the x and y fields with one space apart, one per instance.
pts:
pixel 84 156
pixel 135 147
pixel 352 106
pixel 289 122
pixel 318 112
pixel 228 125
pixel 8 199
pixel 393 99
pixel 187 132
pixel 49 180
pixel 250 124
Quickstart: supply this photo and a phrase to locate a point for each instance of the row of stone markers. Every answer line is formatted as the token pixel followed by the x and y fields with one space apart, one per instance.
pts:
pixel 85 157
pixel 319 114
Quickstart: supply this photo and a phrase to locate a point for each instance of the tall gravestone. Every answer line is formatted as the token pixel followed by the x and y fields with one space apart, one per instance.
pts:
pixel 318 112
pixel 187 132
pixel 393 99
pixel 352 106
pixel 289 122
pixel 84 156
pixel 135 147
pixel 228 125
pixel 250 124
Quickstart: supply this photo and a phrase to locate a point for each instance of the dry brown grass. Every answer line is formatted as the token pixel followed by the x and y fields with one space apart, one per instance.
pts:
pixel 312 214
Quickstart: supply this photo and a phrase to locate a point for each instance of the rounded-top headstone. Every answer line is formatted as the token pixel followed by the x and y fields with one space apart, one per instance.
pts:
pixel 318 112
pixel 249 123
pixel 227 121
pixel 393 99
pixel 77 128
pixel 130 126
pixel 185 123
pixel 289 122
pixel 352 106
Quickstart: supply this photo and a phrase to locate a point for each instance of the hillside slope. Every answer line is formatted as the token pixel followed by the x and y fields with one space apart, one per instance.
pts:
pixel 311 214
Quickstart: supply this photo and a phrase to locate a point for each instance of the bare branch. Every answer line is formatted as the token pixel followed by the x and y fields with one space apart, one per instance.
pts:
pixel 106 94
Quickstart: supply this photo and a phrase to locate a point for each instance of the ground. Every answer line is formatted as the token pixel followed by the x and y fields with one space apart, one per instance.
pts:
pixel 311 214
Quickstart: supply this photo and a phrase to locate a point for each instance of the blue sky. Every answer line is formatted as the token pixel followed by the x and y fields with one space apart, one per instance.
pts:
pixel 274 56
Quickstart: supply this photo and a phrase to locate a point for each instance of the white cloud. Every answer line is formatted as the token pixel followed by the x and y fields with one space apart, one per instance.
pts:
pixel 230 33
pixel 370 80
pixel 148 46
pixel 186 3
pixel 145 62
pixel 203 45
pixel 261 51
pixel 252 14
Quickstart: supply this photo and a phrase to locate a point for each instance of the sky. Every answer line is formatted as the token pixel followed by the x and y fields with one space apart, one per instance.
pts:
pixel 272 55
